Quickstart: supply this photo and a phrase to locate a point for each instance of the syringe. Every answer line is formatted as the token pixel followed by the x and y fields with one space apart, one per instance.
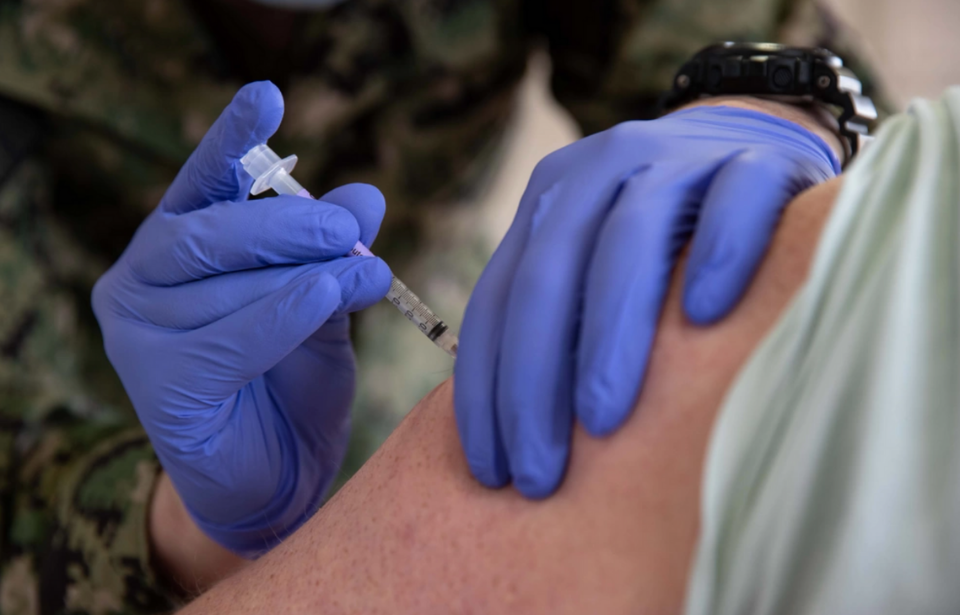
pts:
pixel 269 171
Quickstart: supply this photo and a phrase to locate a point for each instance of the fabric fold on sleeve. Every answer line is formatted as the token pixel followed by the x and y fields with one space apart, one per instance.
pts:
pixel 832 482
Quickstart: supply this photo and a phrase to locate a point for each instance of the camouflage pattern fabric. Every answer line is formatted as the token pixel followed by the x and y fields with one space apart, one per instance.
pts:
pixel 412 96
pixel 76 473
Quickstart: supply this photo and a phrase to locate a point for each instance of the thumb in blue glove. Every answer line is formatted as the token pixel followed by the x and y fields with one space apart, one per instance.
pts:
pixel 227 321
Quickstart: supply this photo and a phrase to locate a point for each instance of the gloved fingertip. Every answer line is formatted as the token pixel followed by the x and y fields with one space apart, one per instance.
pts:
pixel 365 196
pixel 364 283
pixel 705 300
pixel 492 475
pixel 338 230
pixel 261 103
pixel 713 280
pixel 537 485
pixel 488 466
pixel 365 202
pixel 599 418
pixel 538 469
pixel 259 92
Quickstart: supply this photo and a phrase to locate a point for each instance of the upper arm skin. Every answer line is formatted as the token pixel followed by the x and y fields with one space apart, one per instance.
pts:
pixel 414 533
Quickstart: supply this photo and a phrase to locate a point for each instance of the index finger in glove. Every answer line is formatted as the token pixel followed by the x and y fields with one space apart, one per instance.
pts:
pixel 362 280
pixel 212 172
pixel 225 237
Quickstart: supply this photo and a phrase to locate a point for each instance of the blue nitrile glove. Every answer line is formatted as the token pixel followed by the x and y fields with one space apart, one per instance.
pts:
pixel 561 323
pixel 227 322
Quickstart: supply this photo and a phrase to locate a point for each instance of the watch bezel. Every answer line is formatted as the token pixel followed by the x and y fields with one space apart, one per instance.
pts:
pixel 794 74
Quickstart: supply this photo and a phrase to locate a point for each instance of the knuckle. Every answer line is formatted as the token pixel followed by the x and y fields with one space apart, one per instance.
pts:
pixel 545 168
pixel 140 266
pixel 100 296
pixel 186 252
pixel 625 134
pixel 764 161
pixel 145 254
pixel 775 168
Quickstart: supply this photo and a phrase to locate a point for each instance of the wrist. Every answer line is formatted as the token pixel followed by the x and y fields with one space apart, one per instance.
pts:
pixel 813 118
pixel 186 558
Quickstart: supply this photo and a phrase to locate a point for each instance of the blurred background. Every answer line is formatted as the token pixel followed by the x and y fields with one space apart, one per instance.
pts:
pixel 913 46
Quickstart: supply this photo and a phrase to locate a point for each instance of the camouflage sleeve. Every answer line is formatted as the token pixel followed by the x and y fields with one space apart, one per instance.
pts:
pixel 612 61
pixel 76 475
pixel 76 538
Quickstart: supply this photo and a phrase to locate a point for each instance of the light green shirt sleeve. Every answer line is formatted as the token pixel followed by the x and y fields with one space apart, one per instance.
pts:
pixel 832 482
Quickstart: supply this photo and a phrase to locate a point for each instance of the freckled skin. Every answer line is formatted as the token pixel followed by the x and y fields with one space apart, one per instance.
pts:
pixel 414 533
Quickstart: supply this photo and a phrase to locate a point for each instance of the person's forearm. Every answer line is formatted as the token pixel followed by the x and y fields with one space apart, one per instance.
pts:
pixel 189 560
pixel 816 120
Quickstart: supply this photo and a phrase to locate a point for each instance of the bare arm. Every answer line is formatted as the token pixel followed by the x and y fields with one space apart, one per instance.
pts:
pixel 189 561
pixel 192 562
pixel 413 532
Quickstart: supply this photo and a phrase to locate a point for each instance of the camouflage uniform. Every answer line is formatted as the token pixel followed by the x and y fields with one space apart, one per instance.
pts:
pixel 412 96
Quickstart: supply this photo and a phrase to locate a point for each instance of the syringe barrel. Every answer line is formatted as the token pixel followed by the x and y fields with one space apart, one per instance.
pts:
pixel 415 310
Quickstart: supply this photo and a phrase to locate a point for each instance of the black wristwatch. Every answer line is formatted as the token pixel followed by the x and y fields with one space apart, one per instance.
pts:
pixel 790 74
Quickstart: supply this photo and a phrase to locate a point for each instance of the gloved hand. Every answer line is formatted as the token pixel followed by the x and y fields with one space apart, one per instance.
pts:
pixel 227 322
pixel 561 323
